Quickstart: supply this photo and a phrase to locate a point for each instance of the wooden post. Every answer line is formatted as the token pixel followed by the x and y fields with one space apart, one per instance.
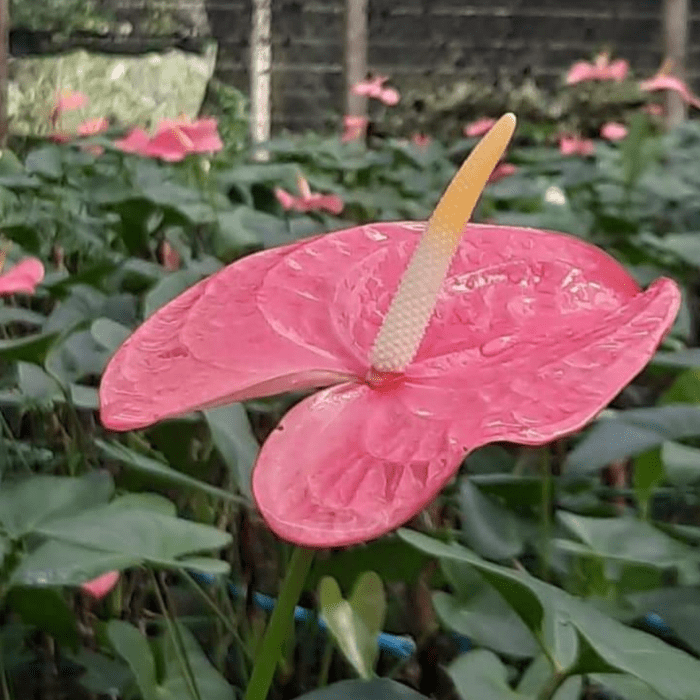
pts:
pixel 675 43
pixel 4 58
pixel 260 69
pixel 355 55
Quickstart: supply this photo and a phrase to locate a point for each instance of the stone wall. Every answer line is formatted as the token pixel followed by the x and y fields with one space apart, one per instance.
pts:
pixel 420 40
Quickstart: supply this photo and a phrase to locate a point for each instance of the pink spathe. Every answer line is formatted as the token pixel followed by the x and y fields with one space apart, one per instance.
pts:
pixel 22 278
pixel 576 146
pixel 613 131
pixel 374 88
pixel 665 81
pixel 309 201
pixel 478 127
pixel 99 587
pixel 602 68
pixel 533 334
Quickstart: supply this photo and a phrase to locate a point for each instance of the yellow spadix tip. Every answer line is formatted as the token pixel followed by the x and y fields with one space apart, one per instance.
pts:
pixel 410 310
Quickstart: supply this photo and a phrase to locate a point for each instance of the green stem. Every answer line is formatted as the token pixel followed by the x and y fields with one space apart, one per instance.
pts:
pixel 270 649
pixel 550 690
pixel 546 513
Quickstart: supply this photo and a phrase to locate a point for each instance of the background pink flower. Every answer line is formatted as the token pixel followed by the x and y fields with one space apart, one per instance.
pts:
pixel 373 87
pixel 613 131
pixel 23 277
pixel 502 170
pixel 66 101
pixel 354 127
pixel 99 587
pixel 308 201
pixel 601 69
pixel 575 145
pixel 663 81
pixel 93 126
pixel 478 127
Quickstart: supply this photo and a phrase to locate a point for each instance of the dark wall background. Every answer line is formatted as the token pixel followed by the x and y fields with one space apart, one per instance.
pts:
pixel 416 40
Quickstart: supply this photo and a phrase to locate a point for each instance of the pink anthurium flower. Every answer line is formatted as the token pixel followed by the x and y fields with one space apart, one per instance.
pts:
pixel 374 87
pixel 613 131
pixel 23 278
pixel 601 69
pixel 433 339
pixel 67 101
pixel 663 80
pixel 501 171
pixel 99 587
pixel 421 140
pixel 479 127
pixel 174 139
pixel 354 127
pixel 576 146
pixel 93 126
pixel 308 201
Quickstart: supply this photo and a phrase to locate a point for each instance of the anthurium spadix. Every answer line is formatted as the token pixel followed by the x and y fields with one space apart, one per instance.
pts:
pixel 431 338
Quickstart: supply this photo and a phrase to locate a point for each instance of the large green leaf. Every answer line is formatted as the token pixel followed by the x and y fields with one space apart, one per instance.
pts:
pixel 631 433
pixel 377 689
pixel 627 687
pixel 56 563
pixel 489 529
pixel 235 442
pixel 681 463
pixel 481 674
pixel 25 505
pixel 672 673
pixel 130 644
pixel 136 532
pixel 161 471
pixel 210 683
pixel 479 612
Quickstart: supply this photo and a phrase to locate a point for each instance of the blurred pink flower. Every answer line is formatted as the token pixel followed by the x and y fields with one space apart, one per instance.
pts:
pixel 601 69
pixel 373 87
pixel 93 126
pixel 479 127
pixel 354 127
pixel 99 587
pixel 576 146
pixel 653 109
pixel 67 101
pixel 169 257
pixel 613 131
pixel 23 277
pixel 502 170
pixel 421 140
pixel 307 201
pixel 663 80
pixel 174 139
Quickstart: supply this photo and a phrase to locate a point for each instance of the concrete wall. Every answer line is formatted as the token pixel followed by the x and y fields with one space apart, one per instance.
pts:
pixel 412 40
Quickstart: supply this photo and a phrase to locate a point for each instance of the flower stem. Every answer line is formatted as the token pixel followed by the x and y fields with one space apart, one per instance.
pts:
pixel 270 648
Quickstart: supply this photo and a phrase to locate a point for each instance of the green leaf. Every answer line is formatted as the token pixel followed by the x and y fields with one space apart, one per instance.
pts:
pixel 648 476
pixel 235 442
pixel 25 505
pixel 108 333
pixel 481 674
pixel 56 563
pixel 146 535
pixel 210 683
pixel 130 644
pixel 47 610
pixel 685 389
pixel 538 676
pixel 369 602
pixel 489 529
pixel 625 539
pixel 103 675
pixel 672 673
pixel 36 385
pixel 627 687
pixel 30 348
pixel 377 689
pixel 162 472
pixel 479 612
pixel 349 631
pixel 681 463
pixel 631 433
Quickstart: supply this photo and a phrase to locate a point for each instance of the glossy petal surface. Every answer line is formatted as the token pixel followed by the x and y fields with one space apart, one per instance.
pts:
pixel 23 277
pixel 532 335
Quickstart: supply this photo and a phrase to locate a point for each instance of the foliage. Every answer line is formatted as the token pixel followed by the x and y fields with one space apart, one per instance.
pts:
pixel 545 562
